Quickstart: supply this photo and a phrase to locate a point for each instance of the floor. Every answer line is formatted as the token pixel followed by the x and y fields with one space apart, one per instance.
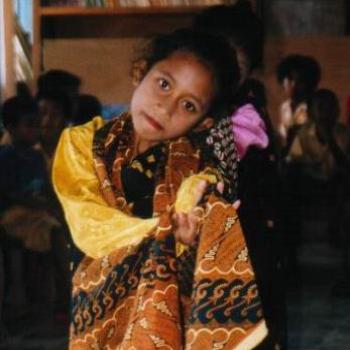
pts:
pixel 318 313
pixel 319 306
pixel 35 329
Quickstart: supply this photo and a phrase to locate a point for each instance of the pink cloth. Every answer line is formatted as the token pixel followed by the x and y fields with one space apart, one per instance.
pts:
pixel 248 129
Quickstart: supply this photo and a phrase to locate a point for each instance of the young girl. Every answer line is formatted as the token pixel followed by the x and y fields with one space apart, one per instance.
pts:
pixel 130 191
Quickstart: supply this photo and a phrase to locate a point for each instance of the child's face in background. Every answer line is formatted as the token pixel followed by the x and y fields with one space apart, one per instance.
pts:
pixel 52 121
pixel 172 98
pixel 26 132
pixel 288 87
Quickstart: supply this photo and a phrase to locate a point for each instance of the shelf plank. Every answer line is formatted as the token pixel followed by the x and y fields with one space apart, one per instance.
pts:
pixel 116 11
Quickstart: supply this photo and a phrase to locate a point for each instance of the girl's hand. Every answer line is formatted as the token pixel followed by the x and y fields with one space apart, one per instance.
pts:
pixel 187 226
pixel 220 188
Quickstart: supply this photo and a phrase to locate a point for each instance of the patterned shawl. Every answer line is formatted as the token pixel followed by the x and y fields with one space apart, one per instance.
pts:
pixel 139 291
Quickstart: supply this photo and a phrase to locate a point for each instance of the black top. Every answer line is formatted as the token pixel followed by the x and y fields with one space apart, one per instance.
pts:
pixel 138 179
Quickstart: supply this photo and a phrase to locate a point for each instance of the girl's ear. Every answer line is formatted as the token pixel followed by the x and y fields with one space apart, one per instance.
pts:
pixel 138 71
pixel 206 123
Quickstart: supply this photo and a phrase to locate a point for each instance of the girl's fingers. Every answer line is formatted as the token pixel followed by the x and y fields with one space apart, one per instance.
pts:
pixel 186 227
pixel 183 221
pixel 220 187
pixel 236 204
pixel 175 219
pixel 193 222
pixel 200 190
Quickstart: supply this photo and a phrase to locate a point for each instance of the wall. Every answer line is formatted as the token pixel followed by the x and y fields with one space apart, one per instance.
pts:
pixel 104 64
pixel 7 73
pixel 304 17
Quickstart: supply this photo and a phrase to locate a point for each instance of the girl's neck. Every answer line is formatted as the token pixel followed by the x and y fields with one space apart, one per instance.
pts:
pixel 141 145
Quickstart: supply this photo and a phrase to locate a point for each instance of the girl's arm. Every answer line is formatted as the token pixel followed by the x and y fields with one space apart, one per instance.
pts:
pixel 96 228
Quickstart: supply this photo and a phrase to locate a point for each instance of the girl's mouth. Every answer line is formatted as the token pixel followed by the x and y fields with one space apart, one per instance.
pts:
pixel 153 123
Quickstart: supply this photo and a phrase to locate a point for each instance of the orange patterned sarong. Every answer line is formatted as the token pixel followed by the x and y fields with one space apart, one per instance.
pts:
pixel 149 296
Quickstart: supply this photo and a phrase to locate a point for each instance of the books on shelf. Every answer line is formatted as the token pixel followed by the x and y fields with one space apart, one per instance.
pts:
pixel 80 3
pixel 169 3
pixel 134 3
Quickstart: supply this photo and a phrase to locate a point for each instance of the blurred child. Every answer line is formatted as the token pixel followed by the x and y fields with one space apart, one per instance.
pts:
pixel 27 214
pixel 55 113
pixel 312 147
pixel 61 81
pixel 88 107
pixel 299 76
pixel 321 150
pixel 160 269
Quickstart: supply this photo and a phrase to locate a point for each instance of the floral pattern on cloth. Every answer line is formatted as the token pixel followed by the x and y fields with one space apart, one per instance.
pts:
pixel 144 295
pixel 223 147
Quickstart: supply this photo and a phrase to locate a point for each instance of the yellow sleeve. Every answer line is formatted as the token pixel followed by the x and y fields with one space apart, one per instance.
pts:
pixel 96 228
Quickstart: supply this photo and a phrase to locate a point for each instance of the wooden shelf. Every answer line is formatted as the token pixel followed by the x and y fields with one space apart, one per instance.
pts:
pixel 66 22
pixel 116 11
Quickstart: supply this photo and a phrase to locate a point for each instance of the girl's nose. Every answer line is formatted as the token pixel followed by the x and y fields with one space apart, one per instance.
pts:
pixel 166 107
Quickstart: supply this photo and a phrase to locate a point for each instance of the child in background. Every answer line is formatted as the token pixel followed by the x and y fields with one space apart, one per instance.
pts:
pixel 61 81
pixel 161 269
pixel 88 107
pixel 23 176
pixel 29 213
pixel 299 76
pixel 312 145
pixel 55 112
pixel 321 150
pixel 23 183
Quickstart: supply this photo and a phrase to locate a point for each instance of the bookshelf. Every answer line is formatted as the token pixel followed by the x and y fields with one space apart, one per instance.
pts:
pixel 103 22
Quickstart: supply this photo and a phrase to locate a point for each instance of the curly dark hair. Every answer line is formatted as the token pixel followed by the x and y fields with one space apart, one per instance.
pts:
pixel 324 108
pixel 213 51
pixel 16 109
pixel 58 80
pixel 304 71
pixel 59 98
pixel 239 25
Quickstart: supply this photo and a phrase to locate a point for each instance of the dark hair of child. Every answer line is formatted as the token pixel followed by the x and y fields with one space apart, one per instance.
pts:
pixel 57 79
pixel 16 109
pixel 304 71
pixel 213 51
pixel 88 107
pixel 239 24
pixel 59 98
pixel 22 89
pixel 324 108
pixel 254 89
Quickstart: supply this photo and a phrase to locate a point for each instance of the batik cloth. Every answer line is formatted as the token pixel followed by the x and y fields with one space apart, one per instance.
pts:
pixel 137 288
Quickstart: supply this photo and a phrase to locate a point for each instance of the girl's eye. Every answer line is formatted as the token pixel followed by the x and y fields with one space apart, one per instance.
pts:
pixel 189 106
pixel 163 84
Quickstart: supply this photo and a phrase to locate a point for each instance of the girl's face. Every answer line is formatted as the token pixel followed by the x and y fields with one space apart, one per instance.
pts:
pixel 288 87
pixel 171 99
